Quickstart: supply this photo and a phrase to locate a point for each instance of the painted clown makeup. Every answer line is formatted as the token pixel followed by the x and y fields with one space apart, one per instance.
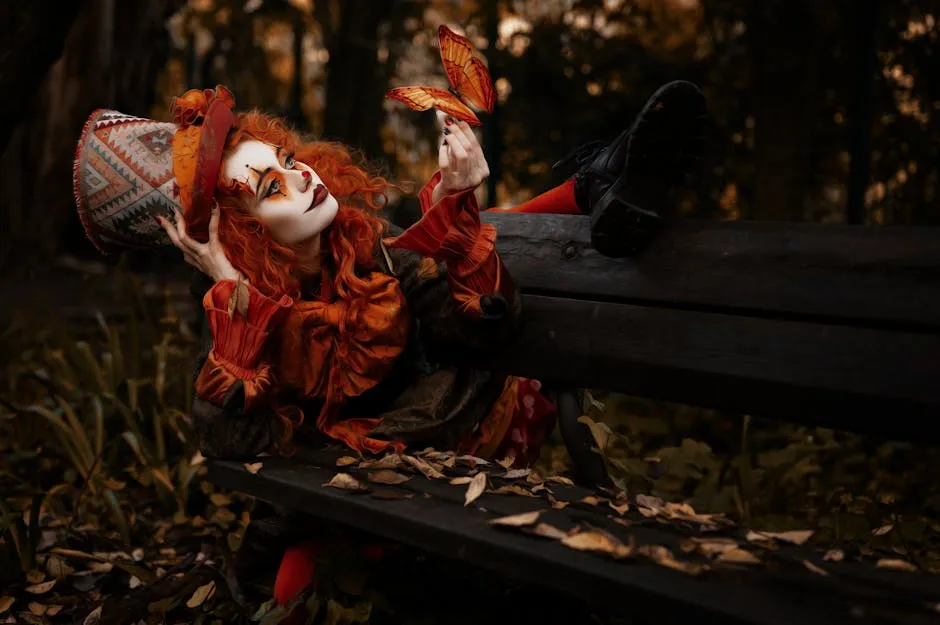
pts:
pixel 287 195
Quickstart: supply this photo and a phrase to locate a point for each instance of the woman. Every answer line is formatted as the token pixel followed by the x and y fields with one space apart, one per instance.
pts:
pixel 319 312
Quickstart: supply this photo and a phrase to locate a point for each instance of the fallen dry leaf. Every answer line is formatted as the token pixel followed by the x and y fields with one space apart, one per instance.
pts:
pixel 40 589
pixel 385 476
pixel 796 537
pixel 475 489
pixel 201 595
pixel 649 506
pixel 35 576
pixel 238 300
pixel 591 500
pixel 134 582
pixel 472 461
pixel 52 610
pixel 346 461
pixel 344 481
pixel 894 564
pixel 254 467
pixel 664 557
pixel 217 499
pixel 815 569
pixel 884 529
pixel 506 462
pixel 684 512
pixel 460 481
pixel 389 461
pixel 94 617
pixel 5 603
pixel 834 555
pixel 560 505
pixel 535 478
pixel 517 520
pixel 713 546
pixel 515 474
pixel 738 556
pixel 560 479
pixel 197 459
pixel 621 509
pixel 37 608
pixel 600 542
pixel 511 489
pixel 624 522
pixel 57 568
pixel 426 469
pixel 548 531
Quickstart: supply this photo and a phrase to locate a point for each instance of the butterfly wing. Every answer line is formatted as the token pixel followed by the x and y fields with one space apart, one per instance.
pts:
pixel 424 98
pixel 467 74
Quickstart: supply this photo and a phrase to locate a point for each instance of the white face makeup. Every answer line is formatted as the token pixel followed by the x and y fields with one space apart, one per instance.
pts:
pixel 289 196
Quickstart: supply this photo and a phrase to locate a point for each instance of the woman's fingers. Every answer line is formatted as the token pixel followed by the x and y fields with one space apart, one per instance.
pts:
pixel 461 130
pixel 171 232
pixel 214 226
pixel 443 156
pixel 456 148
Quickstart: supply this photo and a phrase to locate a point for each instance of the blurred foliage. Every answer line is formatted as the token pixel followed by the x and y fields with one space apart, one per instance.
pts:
pixel 864 497
pixel 101 481
pixel 789 107
pixel 779 77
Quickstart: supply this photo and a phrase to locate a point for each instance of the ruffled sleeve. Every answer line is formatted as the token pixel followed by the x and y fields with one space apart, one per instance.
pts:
pixel 450 231
pixel 426 195
pixel 238 342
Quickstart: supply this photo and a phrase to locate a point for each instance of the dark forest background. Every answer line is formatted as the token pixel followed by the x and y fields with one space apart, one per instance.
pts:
pixel 822 111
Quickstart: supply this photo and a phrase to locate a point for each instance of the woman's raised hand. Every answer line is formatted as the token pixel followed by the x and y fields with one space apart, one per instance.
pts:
pixel 209 258
pixel 460 159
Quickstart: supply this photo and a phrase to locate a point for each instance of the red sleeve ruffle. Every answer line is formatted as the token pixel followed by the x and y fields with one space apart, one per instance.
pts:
pixel 238 342
pixel 450 231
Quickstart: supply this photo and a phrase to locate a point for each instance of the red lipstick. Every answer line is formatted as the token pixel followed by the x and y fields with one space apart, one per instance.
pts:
pixel 319 195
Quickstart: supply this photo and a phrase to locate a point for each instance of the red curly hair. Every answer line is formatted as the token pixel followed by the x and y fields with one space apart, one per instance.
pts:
pixel 350 239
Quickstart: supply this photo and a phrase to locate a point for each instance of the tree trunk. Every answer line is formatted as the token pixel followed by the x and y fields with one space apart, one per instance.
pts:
pixel 110 59
pixel 356 82
pixel 784 43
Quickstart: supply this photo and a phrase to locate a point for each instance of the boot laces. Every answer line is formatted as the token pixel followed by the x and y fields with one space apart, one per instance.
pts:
pixel 582 154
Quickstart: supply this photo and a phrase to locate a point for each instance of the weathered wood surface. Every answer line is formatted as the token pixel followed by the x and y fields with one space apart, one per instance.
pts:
pixel 848 275
pixel 860 379
pixel 780 591
pixel 824 325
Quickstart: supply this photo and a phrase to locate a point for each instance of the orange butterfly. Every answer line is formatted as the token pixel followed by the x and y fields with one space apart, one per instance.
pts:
pixel 469 82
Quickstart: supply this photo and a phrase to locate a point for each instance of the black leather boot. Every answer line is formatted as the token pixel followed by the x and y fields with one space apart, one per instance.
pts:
pixel 626 187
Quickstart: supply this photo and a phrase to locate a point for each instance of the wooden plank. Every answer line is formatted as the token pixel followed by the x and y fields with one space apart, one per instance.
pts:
pixel 878 277
pixel 436 520
pixel 868 380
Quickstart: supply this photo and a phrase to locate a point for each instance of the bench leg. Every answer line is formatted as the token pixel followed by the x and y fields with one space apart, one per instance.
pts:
pixel 588 466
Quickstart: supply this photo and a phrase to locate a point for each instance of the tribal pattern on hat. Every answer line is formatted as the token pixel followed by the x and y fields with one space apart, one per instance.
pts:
pixel 123 178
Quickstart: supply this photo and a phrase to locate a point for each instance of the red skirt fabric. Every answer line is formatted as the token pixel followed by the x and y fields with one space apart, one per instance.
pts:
pixel 532 422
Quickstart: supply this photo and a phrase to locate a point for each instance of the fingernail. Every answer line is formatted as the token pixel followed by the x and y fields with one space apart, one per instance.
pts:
pixel 448 120
pixel 447 131
pixel 159 223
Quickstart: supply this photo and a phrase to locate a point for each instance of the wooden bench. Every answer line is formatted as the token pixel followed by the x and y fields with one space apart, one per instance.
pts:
pixel 821 324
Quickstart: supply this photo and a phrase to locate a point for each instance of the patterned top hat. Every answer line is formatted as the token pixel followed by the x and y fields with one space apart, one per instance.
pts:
pixel 128 170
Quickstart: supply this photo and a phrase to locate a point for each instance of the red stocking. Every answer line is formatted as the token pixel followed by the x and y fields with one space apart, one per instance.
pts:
pixel 559 200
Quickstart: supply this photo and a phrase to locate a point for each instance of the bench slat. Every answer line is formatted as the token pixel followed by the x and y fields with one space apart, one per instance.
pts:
pixel 782 594
pixel 868 380
pixel 877 277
